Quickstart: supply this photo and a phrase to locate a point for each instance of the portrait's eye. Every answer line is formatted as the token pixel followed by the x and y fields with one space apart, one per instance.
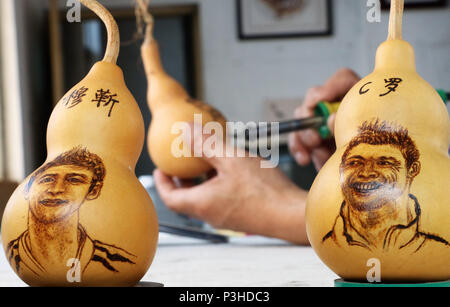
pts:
pixel 353 163
pixel 75 180
pixel 384 163
pixel 47 179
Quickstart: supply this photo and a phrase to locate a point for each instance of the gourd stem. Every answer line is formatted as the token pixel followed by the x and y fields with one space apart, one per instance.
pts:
pixel 142 12
pixel 395 19
pixel 113 45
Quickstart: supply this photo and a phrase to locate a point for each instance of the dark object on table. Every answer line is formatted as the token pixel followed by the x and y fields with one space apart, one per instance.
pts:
pixel 178 224
pixel 196 233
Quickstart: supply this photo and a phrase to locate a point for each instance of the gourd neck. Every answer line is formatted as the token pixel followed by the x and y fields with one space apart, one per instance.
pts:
pixel 151 56
pixel 395 54
pixel 107 72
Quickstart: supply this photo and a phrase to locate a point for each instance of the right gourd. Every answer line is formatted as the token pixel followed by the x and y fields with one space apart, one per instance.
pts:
pixel 384 195
pixel 170 104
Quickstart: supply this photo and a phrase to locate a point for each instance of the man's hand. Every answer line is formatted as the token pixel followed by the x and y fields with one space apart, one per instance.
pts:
pixel 307 145
pixel 242 196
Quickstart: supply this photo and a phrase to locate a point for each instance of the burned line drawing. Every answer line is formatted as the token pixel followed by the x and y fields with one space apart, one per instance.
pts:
pixel 379 211
pixel 55 193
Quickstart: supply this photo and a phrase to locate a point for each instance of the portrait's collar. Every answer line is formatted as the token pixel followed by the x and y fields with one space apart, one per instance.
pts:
pixel 409 230
pixel 352 236
pixel 26 254
pixel 401 235
pixel 85 248
pixel 84 252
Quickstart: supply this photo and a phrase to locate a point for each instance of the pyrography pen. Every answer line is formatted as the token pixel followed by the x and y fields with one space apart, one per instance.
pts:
pixel 319 121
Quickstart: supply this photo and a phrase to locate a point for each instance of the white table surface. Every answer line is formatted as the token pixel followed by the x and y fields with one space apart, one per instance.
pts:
pixel 250 261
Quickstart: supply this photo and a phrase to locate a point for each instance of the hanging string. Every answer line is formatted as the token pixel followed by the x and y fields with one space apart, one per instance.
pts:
pixel 143 18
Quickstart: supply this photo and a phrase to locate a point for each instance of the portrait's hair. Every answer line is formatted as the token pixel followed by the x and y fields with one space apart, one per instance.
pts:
pixel 79 157
pixel 378 132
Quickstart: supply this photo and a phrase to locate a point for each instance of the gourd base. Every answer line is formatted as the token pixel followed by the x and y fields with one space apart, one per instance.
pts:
pixel 340 283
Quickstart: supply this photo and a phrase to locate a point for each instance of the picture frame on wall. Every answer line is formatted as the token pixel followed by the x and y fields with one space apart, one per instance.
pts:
pixel 271 19
pixel 385 4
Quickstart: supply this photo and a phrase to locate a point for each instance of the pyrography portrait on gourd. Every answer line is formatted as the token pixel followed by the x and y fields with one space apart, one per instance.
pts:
pixel 55 194
pixel 377 170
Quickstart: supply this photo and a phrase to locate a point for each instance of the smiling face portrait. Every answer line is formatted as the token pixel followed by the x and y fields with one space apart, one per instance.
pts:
pixel 59 188
pixel 378 166
pixel 379 211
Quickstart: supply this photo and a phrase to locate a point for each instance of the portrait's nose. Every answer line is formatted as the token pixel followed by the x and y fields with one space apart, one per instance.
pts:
pixel 58 187
pixel 368 171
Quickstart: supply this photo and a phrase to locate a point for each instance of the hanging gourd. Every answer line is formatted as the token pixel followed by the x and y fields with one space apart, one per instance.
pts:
pixel 83 218
pixel 170 104
pixel 382 199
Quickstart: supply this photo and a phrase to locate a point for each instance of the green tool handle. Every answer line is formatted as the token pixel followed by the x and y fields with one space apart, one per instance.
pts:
pixel 325 109
pixel 444 95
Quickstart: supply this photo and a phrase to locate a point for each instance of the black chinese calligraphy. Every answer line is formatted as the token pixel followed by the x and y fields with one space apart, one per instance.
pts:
pixel 55 194
pixel 391 85
pixel 75 97
pixel 363 88
pixel 379 212
pixel 105 99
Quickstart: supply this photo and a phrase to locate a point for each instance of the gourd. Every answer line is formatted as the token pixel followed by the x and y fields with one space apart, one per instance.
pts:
pixel 83 218
pixel 383 196
pixel 169 104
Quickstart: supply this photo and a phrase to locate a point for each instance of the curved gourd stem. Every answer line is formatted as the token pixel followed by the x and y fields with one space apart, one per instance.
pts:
pixel 113 46
pixel 142 8
pixel 395 19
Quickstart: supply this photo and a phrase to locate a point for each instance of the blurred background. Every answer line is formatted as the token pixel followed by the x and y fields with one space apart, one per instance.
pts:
pixel 253 60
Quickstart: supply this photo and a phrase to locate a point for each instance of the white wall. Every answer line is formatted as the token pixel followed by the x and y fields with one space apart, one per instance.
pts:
pixel 240 76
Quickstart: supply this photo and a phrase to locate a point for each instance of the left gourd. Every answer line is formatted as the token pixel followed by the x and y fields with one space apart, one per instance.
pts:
pixel 83 218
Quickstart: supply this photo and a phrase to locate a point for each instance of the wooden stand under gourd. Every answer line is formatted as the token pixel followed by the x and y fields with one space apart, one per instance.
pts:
pixel 169 103
pixel 380 207
pixel 83 218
